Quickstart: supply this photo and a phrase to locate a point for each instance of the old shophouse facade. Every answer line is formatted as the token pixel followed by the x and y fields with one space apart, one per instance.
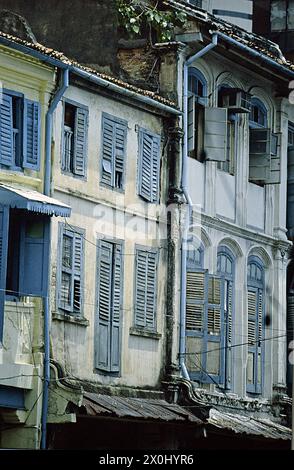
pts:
pixel 164 322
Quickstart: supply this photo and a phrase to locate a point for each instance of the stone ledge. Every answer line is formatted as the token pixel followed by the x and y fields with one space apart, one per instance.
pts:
pixel 70 319
pixel 145 333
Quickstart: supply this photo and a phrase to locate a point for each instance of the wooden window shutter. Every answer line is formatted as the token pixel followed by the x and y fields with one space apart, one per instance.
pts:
pixel 252 303
pixel 65 288
pixel 259 154
pixel 31 135
pixel 146 286
pixel 114 137
pixel 109 294
pixel 149 166
pixel 119 155
pixel 77 273
pixel 34 256
pixel 6 133
pixel 71 271
pixel 80 142
pixel 195 300
pixel 215 135
pixel 116 308
pixel 4 225
pixel 191 123
pixel 104 274
pixel 107 151
pixel 214 305
pixel 155 169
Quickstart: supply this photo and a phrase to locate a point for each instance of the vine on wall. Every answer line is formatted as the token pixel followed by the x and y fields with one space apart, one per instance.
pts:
pixel 135 14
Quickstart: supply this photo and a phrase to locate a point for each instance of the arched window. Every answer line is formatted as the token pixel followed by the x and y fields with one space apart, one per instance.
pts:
pixel 195 254
pixel 197 85
pixel 255 300
pixel 263 147
pixel 226 268
pixel 258 114
pixel 197 100
pixel 232 120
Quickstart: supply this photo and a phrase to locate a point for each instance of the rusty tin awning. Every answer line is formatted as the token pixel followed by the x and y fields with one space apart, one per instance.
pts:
pixel 258 427
pixel 136 408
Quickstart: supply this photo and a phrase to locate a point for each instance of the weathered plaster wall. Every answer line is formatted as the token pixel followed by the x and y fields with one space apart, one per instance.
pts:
pixel 124 216
pixel 246 218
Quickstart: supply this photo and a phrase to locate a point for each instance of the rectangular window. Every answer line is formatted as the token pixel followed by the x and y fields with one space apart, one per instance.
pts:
pixel 149 165
pixel 205 326
pixel 71 263
pixel 19 132
pixel 109 306
pixel 75 140
pixel 145 289
pixel 114 142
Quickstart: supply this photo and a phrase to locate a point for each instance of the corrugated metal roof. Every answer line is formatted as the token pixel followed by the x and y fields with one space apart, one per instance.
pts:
pixel 248 425
pixel 136 408
pixel 28 199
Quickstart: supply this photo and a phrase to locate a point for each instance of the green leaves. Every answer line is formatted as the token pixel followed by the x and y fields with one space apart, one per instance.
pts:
pixel 133 15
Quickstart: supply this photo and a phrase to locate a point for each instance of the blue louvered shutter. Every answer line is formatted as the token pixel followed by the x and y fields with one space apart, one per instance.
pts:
pixel 149 169
pixel 151 291
pixel 80 142
pixel 116 308
pixel 31 135
pixel 34 256
pixel 70 289
pixel 119 154
pixel 6 131
pixel 107 151
pixel 213 345
pixel 113 152
pixel 140 300
pixel 77 272
pixel 145 294
pixel 155 169
pixel 4 223
pixel 109 276
pixel 104 276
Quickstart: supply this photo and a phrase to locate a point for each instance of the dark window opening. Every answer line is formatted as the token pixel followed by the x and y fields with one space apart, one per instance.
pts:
pixel 68 137
pixel 12 277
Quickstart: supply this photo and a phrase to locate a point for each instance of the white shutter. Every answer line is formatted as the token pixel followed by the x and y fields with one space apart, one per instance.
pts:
pixel 215 134
pixel 259 154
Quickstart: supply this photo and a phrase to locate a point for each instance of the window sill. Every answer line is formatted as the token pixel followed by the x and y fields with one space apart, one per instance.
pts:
pixel 77 320
pixel 135 331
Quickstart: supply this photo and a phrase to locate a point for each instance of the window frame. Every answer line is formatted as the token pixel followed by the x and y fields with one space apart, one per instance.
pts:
pixel 115 120
pixel 62 229
pixel 199 119
pixel 120 243
pixel 155 251
pixel 229 278
pixel 155 137
pixel 85 108
pixel 258 286
pixel 20 117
